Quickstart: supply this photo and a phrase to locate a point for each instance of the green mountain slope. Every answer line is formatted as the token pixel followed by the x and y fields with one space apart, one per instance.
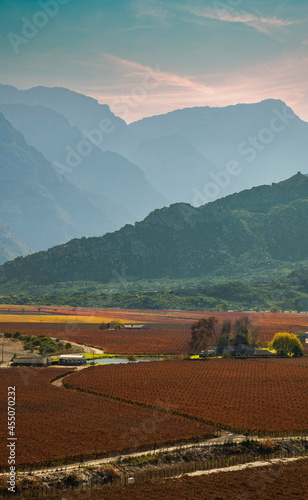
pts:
pixel 214 240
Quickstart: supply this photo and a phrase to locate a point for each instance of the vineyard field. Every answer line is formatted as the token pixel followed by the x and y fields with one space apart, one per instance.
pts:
pixel 252 395
pixel 152 341
pixel 54 424
pixel 168 332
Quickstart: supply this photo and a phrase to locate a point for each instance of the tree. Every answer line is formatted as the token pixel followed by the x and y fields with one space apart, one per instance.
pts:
pixel 117 324
pixel 202 332
pixel 275 309
pixel 242 330
pixel 286 344
pixel 245 333
pixel 225 334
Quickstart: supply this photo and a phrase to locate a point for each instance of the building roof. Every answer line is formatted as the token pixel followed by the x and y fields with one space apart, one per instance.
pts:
pixel 71 356
pixel 36 358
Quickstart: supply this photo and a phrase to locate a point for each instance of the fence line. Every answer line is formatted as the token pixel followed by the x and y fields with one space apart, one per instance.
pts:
pixel 155 474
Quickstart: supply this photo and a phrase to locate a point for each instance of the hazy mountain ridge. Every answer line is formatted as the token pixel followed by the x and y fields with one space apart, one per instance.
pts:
pixel 266 140
pixel 173 166
pixel 182 153
pixel 10 247
pixel 82 111
pixel 84 164
pixel 182 241
pixel 40 209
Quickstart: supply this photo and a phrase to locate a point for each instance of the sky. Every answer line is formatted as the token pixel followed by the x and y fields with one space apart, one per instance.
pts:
pixel 147 57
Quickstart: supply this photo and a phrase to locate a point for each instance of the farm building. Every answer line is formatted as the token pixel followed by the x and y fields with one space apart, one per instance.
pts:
pixel 264 353
pixel 72 359
pixel 31 361
pixel 306 337
pixel 134 327
pixel 240 350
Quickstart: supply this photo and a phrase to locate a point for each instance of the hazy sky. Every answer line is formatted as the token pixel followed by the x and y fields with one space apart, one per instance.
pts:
pixel 145 57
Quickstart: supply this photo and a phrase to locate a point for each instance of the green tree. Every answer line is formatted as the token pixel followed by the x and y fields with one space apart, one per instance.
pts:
pixel 225 334
pixel 275 309
pixel 286 344
pixel 117 324
pixel 245 333
pixel 242 330
pixel 202 332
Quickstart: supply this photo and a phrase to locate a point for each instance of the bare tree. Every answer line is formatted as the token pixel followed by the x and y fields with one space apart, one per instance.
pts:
pixel 202 332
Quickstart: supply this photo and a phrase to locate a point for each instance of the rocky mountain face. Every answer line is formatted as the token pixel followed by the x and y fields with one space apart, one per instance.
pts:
pixel 228 238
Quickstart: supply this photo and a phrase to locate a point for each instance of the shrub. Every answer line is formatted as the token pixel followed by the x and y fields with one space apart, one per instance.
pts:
pixel 286 344
pixel 132 357
pixel 267 446
pixel 117 324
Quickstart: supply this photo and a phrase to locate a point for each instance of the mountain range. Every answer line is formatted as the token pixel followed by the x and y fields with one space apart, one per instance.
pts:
pixel 40 208
pixel 266 141
pixel 81 162
pixel 70 168
pixel 251 234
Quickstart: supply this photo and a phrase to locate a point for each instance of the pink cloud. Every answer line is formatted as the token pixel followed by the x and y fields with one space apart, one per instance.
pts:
pixel 164 78
pixel 260 23
pixel 285 80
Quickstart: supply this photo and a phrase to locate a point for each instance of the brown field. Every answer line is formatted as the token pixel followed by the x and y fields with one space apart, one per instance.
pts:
pixel 54 424
pixel 252 395
pixel 169 331
pixel 152 341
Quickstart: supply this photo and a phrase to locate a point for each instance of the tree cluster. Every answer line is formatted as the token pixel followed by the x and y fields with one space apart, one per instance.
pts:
pixel 206 332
